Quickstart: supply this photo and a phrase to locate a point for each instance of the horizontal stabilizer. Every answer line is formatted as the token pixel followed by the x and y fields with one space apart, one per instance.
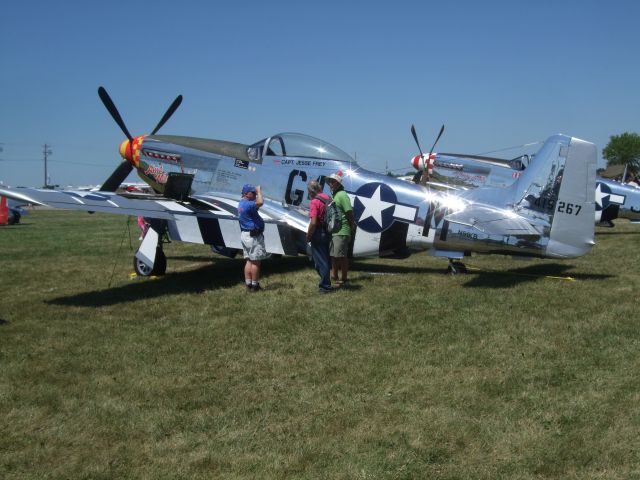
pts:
pixel 492 221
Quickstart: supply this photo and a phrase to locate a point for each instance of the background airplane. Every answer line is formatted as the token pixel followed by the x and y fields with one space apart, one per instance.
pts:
pixel 544 213
pixel 460 171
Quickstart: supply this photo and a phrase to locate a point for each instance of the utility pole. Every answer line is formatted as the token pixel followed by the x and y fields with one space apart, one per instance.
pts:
pixel 46 151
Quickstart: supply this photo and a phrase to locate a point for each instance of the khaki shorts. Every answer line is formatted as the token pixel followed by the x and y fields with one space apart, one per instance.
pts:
pixel 253 247
pixel 340 246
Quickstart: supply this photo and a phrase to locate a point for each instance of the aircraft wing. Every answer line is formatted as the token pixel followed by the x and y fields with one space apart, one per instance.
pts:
pixel 106 202
pixel 212 223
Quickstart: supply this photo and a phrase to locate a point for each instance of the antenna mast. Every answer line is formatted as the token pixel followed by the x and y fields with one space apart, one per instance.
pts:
pixel 46 152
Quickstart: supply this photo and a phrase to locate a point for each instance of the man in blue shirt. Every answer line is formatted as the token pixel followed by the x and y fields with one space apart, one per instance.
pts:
pixel 251 236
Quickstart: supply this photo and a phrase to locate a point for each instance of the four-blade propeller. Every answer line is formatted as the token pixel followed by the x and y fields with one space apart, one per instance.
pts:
pixel 124 169
pixel 423 176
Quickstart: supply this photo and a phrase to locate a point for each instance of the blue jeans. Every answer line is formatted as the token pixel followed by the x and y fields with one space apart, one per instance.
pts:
pixel 320 254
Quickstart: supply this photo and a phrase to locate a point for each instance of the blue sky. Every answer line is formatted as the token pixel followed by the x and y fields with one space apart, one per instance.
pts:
pixel 354 73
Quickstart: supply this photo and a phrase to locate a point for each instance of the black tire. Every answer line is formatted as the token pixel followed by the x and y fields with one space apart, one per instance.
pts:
pixel 159 267
pixel 14 218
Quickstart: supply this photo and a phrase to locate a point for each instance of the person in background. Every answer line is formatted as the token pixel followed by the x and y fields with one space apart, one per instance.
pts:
pixel 251 235
pixel 142 223
pixel 318 236
pixel 340 241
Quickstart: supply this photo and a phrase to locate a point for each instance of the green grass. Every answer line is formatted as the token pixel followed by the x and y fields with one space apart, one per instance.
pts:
pixel 504 372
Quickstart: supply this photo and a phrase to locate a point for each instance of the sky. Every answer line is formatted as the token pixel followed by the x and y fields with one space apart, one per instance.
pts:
pixel 357 74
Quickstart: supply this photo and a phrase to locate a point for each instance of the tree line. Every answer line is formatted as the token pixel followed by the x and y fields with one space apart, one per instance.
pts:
pixel 624 149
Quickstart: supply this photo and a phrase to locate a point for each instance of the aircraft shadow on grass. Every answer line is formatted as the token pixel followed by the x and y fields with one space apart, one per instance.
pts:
pixel 484 278
pixel 617 232
pixel 16 226
pixel 224 273
pixel 516 276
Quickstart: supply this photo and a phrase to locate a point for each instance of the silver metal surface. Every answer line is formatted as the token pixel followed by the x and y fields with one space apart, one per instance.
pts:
pixel 545 212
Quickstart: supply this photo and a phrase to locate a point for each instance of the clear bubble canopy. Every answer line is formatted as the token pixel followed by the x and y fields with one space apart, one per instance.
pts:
pixel 297 145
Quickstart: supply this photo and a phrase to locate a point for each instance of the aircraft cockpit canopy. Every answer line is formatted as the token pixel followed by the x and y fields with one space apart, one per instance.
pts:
pixel 296 145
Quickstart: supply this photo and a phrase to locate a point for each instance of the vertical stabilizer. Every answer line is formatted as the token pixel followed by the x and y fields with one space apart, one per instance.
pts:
pixel 557 189
pixel 572 232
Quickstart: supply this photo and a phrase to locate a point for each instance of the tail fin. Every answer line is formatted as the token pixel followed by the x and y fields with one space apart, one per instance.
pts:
pixel 557 189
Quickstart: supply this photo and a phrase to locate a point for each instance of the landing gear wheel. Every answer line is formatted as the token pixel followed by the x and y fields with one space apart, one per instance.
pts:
pixel 159 267
pixel 14 220
pixel 455 268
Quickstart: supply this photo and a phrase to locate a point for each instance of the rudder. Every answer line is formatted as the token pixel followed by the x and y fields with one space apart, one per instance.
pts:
pixel 573 228
pixel 557 190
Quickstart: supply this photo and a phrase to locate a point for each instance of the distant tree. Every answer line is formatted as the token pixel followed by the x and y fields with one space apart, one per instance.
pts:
pixel 624 150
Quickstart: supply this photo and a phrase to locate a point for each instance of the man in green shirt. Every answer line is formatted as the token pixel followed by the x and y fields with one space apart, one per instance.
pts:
pixel 340 241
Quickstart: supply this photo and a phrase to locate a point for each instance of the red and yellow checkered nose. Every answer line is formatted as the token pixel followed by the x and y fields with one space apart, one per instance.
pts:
pixel 130 150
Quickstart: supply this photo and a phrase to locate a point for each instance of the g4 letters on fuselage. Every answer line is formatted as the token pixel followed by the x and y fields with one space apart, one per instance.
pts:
pixel 294 196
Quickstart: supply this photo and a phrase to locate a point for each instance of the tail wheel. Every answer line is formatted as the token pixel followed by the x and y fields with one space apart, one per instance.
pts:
pixel 455 268
pixel 159 266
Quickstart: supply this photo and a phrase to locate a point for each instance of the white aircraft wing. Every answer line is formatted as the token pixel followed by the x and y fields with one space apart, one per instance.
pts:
pixel 212 223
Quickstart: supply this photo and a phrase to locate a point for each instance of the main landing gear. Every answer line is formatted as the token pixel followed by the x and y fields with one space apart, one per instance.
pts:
pixel 150 258
pixel 159 265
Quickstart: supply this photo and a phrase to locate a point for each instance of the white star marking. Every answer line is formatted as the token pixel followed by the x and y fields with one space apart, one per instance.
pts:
pixel 373 207
pixel 613 198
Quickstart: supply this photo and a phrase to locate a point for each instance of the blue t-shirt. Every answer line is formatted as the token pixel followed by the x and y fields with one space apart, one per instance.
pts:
pixel 248 215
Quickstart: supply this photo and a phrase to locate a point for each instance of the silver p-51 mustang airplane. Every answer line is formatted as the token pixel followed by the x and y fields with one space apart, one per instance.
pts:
pixel 547 212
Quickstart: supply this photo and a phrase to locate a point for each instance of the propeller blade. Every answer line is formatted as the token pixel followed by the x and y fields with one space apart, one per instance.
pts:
pixel 111 108
pixel 117 177
pixel 415 137
pixel 438 138
pixel 170 111
pixel 425 173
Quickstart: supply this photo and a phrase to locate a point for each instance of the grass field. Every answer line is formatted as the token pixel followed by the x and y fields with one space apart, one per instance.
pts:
pixel 510 371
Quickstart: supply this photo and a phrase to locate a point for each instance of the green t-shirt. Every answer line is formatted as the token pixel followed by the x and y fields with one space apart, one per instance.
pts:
pixel 344 205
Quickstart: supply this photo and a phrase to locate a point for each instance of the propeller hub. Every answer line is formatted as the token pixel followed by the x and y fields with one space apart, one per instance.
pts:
pixel 130 150
pixel 420 162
